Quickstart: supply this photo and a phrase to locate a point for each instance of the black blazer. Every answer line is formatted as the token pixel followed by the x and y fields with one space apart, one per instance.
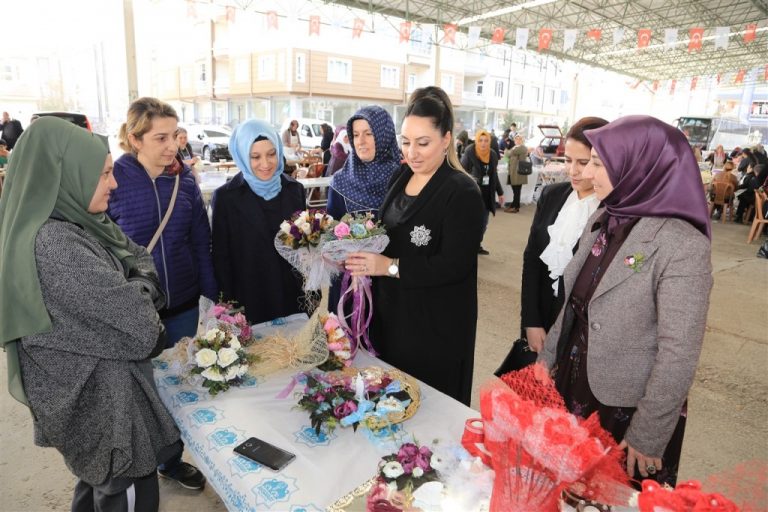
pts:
pixel 474 167
pixel 245 262
pixel 425 321
pixel 539 306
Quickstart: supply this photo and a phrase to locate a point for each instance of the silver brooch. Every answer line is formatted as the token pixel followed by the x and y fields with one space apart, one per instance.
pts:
pixel 420 236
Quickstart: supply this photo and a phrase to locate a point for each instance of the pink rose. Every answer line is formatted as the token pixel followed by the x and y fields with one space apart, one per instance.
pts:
pixel 245 331
pixel 369 225
pixel 345 409
pixel 331 324
pixel 218 310
pixel 228 319
pixel 341 230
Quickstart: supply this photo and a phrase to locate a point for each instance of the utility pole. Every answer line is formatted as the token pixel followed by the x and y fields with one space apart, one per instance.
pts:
pixel 130 51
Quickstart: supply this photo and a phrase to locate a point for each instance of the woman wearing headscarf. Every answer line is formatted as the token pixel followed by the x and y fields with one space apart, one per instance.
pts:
pixel 79 320
pixel 561 214
pixel 480 162
pixel 325 143
pixel 247 213
pixel 360 186
pixel 340 148
pixel 627 342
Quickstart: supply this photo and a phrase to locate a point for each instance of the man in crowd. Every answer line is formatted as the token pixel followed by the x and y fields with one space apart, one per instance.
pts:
pixel 10 130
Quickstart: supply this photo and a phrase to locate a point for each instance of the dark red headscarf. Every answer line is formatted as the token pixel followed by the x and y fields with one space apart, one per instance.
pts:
pixel 652 170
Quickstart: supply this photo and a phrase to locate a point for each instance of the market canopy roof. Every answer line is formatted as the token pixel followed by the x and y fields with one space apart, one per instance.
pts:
pixel 652 63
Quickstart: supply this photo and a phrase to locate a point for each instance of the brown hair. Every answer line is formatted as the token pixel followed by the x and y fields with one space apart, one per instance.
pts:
pixel 434 103
pixel 140 116
pixel 585 123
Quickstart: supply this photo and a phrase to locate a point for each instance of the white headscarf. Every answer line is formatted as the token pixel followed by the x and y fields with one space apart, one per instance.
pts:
pixel 565 232
pixel 340 139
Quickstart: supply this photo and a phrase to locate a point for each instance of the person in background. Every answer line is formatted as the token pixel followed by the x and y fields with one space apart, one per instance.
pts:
pixel 561 214
pixel 503 142
pixel 4 153
pixel 513 131
pixel 627 341
pixel 80 322
pixel 291 137
pixel 340 149
pixel 481 163
pixel 514 179
pixel 425 282
pixel 494 143
pixel 10 130
pixel 325 143
pixel 717 157
pixel 725 176
pixel 462 142
pixel 755 177
pixel 185 153
pixel 247 212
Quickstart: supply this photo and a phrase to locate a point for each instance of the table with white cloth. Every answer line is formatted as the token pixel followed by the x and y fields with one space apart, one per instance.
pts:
pixel 312 184
pixel 541 175
pixel 327 466
pixel 211 180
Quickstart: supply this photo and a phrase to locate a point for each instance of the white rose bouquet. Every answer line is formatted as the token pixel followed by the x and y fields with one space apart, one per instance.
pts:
pixel 300 241
pixel 220 359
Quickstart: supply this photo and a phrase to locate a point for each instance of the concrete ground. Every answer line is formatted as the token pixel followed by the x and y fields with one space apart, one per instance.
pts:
pixel 727 413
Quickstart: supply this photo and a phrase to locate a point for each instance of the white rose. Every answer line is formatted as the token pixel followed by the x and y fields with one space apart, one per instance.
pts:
pixel 343 354
pixel 242 370
pixel 213 374
pixel 418 472
pixel 211 335
pixel 329 218
pixel 304 215
pixel 306 228
pixel 392 469
pixel 205 357
pixel 319 216
pixel 339 332
pixel 232 372
pixel 285 227
pixel 227 356
pixel 234 343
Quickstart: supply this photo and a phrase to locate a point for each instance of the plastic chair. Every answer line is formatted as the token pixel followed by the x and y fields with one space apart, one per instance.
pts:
pixel 759 221
pixel 724 198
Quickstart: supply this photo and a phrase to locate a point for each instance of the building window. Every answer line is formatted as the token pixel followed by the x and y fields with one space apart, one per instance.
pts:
pixel 301 67
pixel 390 77
pixel 202 72
pixel 340 70
pixel 266 67
pixel 479 87
pixel 535 92
pixel 9 72
pixel 517 94
pixel 411 82
pixel 447 82
pixel 498 90
pixel 551 96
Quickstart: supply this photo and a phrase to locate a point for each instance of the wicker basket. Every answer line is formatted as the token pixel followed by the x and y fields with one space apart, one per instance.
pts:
pixel 374 373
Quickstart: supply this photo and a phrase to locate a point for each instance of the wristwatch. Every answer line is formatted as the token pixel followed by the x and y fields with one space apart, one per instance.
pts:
pixel 393 268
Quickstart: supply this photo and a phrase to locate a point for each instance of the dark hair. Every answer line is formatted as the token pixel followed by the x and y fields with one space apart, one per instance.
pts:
pixel 434 103
pixel 585 123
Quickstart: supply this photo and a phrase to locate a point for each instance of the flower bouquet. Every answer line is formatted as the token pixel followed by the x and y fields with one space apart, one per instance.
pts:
pixel 300 240
pixel 685 497
pixel 339 346
pixel 228 313
pixel 372 397
pixel 219 359
pixel 355 233
pixel 400 474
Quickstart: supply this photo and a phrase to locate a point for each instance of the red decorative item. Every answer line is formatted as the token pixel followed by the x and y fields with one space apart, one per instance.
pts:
pixel 750 33
pixel 271 20
pixel 405 31
pixel 545 38
pixel 672 86
pixel 694 80
pixel 765 73
pixel 498 35
pixel 314 25
pixel 643 37
pixel 740 76
pixel 595 34
pixel 655 85
pixel 357 28
pixel 686 497
pixel 449 29
pixel 695 36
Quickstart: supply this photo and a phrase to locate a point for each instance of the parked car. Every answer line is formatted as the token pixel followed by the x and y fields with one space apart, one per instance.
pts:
pixel 309 131
pixel 210 142
pixel 76 118
pixel 553 143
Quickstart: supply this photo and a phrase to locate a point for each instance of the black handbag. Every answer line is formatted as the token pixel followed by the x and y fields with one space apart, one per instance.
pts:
pixel 524 167
pixel 520 356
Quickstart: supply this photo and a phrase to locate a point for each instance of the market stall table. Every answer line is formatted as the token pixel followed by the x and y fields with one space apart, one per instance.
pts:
pixel 539 177
pixel 326 466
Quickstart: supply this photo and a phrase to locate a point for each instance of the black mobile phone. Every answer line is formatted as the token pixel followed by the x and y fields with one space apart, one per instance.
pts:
pixel 264 453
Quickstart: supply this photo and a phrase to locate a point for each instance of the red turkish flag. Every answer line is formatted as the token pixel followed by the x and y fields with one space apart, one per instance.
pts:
pixel 643 37
pixel 450 33
pixel 357 28
pixel 405 31
pixel 718 79
pixel 595 34
pixel 751 33
pixel 271 20
pixel 694 36
pixel 498 35
pixel 314 25
pixel 672 86
pixel 740 76
pixel 765 73
pixel 693 83
pixel 655 85
pixel 545 38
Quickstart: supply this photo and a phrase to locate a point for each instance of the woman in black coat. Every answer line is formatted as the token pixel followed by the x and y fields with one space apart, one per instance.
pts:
pixel 562 210
pixel 481 162
pixel 247 213
pixel 425 305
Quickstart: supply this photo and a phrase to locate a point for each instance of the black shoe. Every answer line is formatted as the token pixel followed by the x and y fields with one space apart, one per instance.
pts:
pixel 482 251
pixel 187 475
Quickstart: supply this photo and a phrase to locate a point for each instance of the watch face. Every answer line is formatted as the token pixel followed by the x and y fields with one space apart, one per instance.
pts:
pixel 392 270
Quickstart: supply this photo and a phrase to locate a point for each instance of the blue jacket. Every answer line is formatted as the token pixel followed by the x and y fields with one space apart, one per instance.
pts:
pixel 183 253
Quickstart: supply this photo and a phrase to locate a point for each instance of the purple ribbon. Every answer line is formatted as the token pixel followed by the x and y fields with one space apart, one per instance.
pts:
pixel 356 289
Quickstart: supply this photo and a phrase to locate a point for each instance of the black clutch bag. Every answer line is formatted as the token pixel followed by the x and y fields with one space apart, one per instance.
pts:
pixel 520 356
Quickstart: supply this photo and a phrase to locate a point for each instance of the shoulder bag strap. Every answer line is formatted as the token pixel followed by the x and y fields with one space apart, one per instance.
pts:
pixel 168 212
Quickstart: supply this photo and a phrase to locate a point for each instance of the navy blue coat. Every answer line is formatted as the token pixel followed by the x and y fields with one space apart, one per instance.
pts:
pixel 183 254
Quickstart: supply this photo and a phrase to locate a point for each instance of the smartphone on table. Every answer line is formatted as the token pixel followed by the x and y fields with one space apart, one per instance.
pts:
pixel 264 453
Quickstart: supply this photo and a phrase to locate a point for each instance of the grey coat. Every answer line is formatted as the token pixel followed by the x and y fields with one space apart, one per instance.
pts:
pixel 646 327
pixel 88 380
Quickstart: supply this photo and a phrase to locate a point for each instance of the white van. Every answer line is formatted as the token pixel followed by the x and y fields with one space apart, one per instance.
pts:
pixel 309 131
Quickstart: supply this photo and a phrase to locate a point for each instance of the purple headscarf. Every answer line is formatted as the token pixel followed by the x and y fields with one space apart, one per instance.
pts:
pixel 652 170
